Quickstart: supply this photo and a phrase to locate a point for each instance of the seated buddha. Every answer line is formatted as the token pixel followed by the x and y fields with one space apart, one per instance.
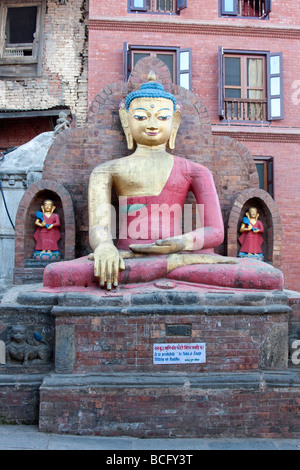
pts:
pixel 152 185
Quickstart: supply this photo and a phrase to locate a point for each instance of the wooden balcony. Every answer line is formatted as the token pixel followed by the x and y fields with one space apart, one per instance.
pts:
pixel 245 109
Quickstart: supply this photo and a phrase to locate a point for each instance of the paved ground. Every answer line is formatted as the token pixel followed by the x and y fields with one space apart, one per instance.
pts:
pixel 29 438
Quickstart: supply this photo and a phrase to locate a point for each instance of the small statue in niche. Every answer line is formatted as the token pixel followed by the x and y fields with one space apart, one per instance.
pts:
pixel 22 350
pixel 47 233
pixel 62 122
pixel 251 238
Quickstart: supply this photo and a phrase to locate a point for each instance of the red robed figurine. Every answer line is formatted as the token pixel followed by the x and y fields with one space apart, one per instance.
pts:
pixel 47 233
pixel 251 238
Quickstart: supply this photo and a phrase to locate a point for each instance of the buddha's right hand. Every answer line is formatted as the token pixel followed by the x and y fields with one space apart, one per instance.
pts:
pixel 107 264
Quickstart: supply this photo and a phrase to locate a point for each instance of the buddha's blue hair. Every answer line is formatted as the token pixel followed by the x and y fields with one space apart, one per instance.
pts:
pixel 150 90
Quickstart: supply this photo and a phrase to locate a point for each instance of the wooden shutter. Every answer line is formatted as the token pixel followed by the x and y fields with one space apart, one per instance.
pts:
pixel 275 86
pixel 181 4
pixel 126 61
pixel 138 5
pixel 184 68
pixel 221 82
pixel 268 7
pixel 270 176
pixel 229 7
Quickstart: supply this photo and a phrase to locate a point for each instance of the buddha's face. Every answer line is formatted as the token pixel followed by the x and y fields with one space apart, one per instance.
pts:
pixel 151 120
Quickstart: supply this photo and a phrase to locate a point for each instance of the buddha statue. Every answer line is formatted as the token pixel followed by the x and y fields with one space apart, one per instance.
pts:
pixel 152 185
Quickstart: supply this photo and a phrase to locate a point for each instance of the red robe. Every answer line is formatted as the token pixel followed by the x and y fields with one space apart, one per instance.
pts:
pixel 251 242
pixel 159 216
pixel 47 239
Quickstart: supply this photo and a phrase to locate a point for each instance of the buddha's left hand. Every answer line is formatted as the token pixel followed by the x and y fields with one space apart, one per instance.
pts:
pixel 160 247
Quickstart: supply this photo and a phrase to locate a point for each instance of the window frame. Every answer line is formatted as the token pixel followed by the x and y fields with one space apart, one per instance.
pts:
pixel 128 50
pixel 225 12
pixel 19 66
pixel 178 6
pixel 267 72
pixel 243 74
pixel 234 13
pixel 268 163
pixel 133 8
pixel 155 53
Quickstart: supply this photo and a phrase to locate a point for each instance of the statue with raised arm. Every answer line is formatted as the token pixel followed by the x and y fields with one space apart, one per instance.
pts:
pixel 47 233
pixel 251 238
pixel 152 185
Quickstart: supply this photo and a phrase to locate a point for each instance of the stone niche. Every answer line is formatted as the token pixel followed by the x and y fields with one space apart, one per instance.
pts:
pixel 268 214
pixel 27 269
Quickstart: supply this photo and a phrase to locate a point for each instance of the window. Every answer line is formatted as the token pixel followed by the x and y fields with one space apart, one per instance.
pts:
pixel 246 8
pixel 20 38
pixel 179 62
pixel 250 85
pixel 157 6
pixel 265 171
pixel 245 89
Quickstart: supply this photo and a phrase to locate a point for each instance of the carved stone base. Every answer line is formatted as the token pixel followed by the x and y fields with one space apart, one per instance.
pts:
pixel 127 362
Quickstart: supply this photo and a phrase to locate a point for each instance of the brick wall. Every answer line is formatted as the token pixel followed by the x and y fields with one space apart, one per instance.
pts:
pixel 283 12
pixel 118 343
pixel 162 408
pixel 19 402
pixel 16 132
pixel 63 80
pixel 106 46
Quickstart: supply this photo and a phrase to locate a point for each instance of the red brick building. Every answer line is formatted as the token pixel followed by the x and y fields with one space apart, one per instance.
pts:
pixel 240 57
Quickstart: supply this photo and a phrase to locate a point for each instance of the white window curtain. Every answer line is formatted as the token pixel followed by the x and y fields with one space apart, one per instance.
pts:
pixel 255 86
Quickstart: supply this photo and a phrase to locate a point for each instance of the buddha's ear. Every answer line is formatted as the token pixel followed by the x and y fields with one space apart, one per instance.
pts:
pixel 125 124
pixel 176 124
pixel 53 209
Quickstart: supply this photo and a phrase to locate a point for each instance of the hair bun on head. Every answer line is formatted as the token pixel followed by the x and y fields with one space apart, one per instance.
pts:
pixel 150 89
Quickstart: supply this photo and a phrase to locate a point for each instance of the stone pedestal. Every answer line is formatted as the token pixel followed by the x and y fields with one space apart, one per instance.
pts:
pixel 172 404
pixel 104 378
